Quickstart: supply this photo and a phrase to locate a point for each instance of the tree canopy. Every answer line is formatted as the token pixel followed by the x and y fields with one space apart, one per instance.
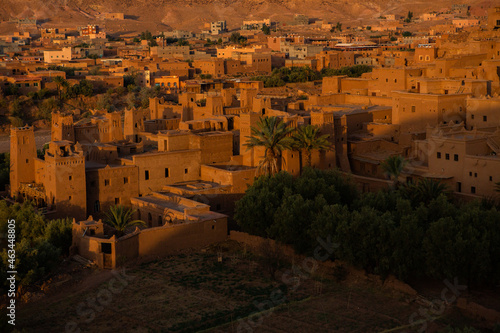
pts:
pixel 410 235
pixel 40 243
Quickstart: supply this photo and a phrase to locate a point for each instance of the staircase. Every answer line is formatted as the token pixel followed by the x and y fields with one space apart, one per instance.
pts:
pixel 494 144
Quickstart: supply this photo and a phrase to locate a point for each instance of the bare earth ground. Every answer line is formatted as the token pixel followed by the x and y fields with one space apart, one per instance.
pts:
pixel 192 291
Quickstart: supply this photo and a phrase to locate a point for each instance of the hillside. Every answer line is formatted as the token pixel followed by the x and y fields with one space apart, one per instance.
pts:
pixel 160 15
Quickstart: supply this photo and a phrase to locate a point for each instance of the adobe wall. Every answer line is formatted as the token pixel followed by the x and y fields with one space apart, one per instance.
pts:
pixel 167 240
pixel 238 179
pixel 182 166
pixel 483 113
pixel 106 185
pixel 260 244
pixel 414 112
pixel 22 155
pixel 369 184
pixel 368 100
pixel 480 172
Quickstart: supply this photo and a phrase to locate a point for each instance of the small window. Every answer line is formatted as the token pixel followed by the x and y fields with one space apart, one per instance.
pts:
pixel 106 248
pixel 470 173
pixel 69 197
pixel 146 174
pixel 125 180
pixel 439 154
pixel 455 157
pixel 413 108
pixel 475 174
pixel 485 118
pixel 97 206
pixel 117 201
pixel 106 182
pixel 166 173
pixel 70 177
pixel 186 171
pixel 473 190
pixel 491 179
pixel 447 156
pixel 471 116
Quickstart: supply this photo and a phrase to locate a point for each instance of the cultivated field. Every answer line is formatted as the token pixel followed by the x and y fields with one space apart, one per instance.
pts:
pixel 191 292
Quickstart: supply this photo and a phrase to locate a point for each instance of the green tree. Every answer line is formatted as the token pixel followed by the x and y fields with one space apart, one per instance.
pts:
pixel 60 83
pixel 15 109
pixel 39 242
pixel 293 218
pixel 146 35
pixel 393 166
pixel 104 102
pixel 270 204
pixel 4 170
pixel 46 108
pixel 266 29
pixel 120 218
pixel 307 138
pixel 464 246
pixel 424 191
pixel 237 38
pixel 272 134
pixel 254 213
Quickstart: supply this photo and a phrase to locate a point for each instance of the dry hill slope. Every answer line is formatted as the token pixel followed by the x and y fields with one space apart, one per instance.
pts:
pixel 191 14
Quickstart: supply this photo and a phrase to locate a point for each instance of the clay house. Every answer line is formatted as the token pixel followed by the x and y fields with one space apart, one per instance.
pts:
pixel 179 223
pixel 50 176
pixel 494 18
pixel 467 160
pixel 483 113
pixel 24 84
pixel 105 81
pixel 48 76
pixel 58 55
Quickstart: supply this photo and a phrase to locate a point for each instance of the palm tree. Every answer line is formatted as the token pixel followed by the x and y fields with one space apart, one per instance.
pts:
pixel 425 190
pixel 60 82
pixel 393 166
pixel 308 138
pixel 272 134
pixel 120 218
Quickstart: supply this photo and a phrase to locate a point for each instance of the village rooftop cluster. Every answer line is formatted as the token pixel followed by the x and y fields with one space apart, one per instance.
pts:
pixel 428 91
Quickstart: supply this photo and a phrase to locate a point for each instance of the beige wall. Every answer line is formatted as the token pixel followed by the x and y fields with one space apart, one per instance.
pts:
pixel 110 186
pixel 414 112
pixel 182 166
pixel 483 113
